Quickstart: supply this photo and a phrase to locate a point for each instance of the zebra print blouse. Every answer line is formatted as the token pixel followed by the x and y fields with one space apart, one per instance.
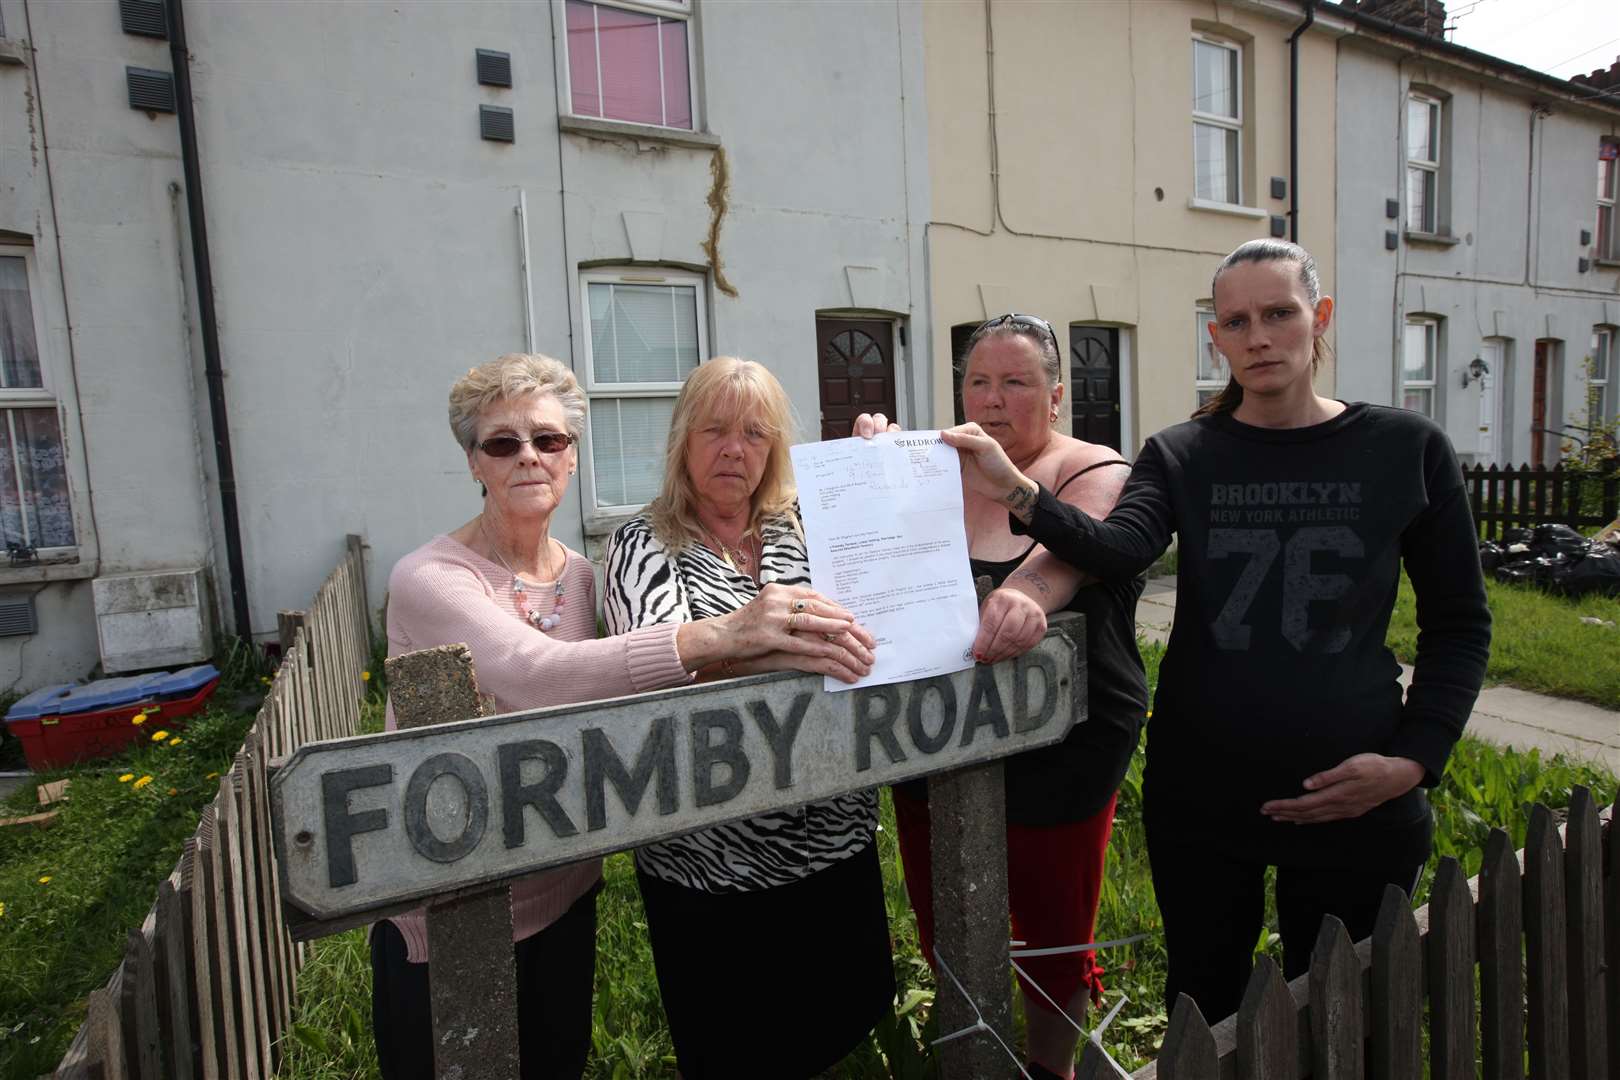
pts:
pixel 647 585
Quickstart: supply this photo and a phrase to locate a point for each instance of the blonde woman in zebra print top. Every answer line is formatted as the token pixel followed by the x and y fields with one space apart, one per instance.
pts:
pixel 790 899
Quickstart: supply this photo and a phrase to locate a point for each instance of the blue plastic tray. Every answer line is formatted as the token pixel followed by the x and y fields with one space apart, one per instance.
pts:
pixel 67 698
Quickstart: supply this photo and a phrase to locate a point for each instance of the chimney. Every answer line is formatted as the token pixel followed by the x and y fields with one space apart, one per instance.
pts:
pixel 1601 79
pixel 1427 17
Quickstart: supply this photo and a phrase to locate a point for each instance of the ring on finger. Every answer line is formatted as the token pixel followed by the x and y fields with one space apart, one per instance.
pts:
pixel 800 605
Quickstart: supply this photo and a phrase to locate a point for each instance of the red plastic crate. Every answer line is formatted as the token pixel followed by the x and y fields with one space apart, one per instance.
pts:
pixel 54 742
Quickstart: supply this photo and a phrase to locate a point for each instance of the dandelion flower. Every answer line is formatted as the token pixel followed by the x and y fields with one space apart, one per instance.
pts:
pixel 365 676
pixel 264 679
pixel 212 776
pixel 46 880
pixel 138 719
pixel 176 741
pixel 2 909
pixel 159 736
pixel 142 782
pixel 126 778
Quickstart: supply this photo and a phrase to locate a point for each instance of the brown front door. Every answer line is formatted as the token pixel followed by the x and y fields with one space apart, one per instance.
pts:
pixel 1094 383
pixel 855 372
pixel 1538 407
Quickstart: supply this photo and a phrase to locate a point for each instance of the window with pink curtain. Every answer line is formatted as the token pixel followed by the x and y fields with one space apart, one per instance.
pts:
pixel 628 65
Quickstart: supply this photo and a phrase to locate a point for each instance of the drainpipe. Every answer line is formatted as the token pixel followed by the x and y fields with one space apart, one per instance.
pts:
pixel 209 321
pixel 1293 119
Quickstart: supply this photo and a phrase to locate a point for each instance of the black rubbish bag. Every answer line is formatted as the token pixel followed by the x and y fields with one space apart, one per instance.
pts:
pixel 1490 555
pixel 1517 536
pixel 1598 573
pixel 1558 540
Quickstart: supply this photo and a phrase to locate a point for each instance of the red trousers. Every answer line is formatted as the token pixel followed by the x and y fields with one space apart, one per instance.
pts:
pixel 1054 883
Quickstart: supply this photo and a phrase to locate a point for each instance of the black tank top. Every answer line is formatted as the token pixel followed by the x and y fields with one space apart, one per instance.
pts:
pixel 1073 780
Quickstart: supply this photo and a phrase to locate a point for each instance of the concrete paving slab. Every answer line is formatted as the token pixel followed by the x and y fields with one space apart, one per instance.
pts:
pixel 11 781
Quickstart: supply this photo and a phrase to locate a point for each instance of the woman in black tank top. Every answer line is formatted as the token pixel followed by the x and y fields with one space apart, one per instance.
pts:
pixel 1060 799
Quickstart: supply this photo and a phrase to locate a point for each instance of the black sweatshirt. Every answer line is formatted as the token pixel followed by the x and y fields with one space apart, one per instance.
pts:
pixel 1290 546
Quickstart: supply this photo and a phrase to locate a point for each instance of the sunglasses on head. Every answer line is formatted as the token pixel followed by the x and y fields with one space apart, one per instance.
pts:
pixel 1033 322
pixel 545 442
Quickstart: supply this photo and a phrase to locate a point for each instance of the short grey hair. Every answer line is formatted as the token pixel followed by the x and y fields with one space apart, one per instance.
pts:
pixel 509 376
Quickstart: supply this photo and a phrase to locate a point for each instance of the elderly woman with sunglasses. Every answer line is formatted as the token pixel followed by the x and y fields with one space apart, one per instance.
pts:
pixel 1060 799
pixel 525 606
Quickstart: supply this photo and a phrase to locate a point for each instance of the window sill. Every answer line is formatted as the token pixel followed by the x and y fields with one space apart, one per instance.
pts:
pixel 13 53
pixel 623 129
pixel 600 526
pixel 1431 239
pixel 55 568
pixel 1234 209
pixel 1607 264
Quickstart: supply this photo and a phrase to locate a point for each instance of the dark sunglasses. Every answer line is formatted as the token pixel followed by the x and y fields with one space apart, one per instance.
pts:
pixel 1033 322
pixel 545 442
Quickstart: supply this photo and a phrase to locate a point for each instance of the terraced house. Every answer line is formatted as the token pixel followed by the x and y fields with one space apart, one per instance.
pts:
pixel 240 271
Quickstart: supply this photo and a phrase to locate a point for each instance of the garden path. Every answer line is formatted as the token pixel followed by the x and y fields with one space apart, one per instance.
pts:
pixel 1503 715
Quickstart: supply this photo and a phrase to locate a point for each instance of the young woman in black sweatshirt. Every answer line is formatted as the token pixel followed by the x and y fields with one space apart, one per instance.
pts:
pixel 1279 734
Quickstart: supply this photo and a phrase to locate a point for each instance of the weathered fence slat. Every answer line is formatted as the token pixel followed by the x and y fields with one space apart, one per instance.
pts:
pixel 249 1003
pixel 256 813
pixel 248 882
pixel 362 591
pixel 1336 1014
pixel 104 1043
pixel 472 975
pixel 1396 991
pixel 170 953
pixel 1611 902
pixel 1267 1026
pixel 138 1010
pixel 1546 960
pixel 1188 1052
pixel 1501 966
pixel 221 1054
pixel 1451 974
pixel 1583 893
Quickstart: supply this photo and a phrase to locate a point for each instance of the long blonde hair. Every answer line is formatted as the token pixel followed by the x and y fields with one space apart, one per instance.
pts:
pixel 724 389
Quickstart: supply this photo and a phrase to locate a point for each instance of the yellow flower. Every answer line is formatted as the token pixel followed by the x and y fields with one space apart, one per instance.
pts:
pixel 174 791
pixel 265 679
pixel 46 880
pixel 2 909
pixel 138 719
pixel 142 782
pixel 126 778
pixel 176 741
pixel 212 776
pixel 159 736
pixel 365 676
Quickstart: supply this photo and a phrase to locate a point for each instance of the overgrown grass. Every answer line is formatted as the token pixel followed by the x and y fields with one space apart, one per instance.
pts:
pixel 70 893
pixel 1484 787
pixel 1538 641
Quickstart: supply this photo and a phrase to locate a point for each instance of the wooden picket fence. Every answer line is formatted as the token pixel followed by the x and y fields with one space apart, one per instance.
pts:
pixel 1532 925
pixel 206 987
pixel 1525 497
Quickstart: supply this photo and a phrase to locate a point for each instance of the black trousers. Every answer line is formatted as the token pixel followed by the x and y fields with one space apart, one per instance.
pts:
pixel 555 970
pixel 1214 905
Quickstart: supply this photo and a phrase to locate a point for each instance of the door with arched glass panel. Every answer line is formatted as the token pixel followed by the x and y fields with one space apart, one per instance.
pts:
pixel 854 371
pixel 1094 383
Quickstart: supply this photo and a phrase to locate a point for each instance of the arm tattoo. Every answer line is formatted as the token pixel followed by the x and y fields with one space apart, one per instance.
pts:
pixel 1035 579
pixel 1019 499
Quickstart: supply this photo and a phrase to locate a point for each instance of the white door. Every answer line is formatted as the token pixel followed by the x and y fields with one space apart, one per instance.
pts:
pixel 1490 402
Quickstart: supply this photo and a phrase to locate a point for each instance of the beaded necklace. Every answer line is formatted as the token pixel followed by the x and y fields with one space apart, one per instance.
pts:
pixel 520 590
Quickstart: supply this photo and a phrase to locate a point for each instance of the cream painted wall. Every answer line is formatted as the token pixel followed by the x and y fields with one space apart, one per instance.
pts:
pixel 1094 154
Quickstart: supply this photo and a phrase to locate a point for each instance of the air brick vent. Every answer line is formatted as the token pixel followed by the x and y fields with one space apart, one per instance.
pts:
pixel 494 68
pixel 150 90
pixel 147 18
pixel 17 616
pixel 495 123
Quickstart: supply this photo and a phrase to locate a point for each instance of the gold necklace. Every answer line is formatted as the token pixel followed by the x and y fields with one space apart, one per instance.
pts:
pixel 744 557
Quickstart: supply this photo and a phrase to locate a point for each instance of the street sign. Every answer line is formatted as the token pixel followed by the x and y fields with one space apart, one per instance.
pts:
pixel 369 825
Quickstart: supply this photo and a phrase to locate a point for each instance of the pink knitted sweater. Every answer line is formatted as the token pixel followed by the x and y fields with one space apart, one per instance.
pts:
pixel 443 593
